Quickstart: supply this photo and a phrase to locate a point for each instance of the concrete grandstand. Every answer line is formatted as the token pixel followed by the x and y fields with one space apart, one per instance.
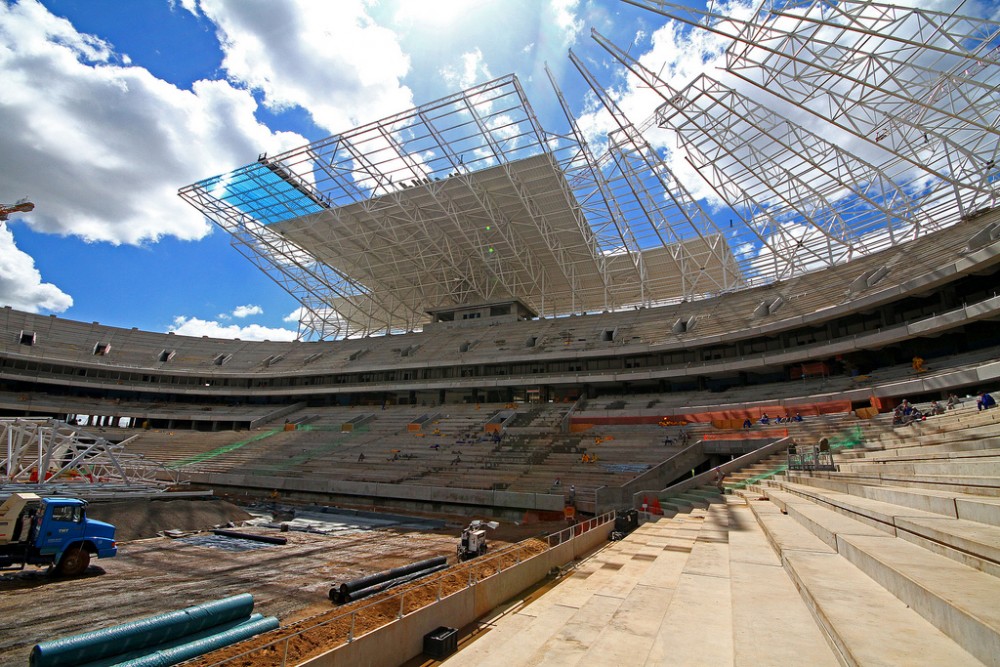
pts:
pixel 501 322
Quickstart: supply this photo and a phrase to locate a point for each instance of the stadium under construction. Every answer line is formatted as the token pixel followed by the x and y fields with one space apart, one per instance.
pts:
pixel 526 324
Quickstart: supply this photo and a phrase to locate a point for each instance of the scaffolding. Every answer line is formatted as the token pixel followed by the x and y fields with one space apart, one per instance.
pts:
pixel 48 453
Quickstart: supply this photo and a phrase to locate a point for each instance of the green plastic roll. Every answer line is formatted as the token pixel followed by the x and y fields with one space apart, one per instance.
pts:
pixel 145 632
pixel 178 654
pixel 132 655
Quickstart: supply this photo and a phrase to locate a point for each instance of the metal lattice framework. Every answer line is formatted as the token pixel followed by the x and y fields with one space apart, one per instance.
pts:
pixel 464 200
pixel 469 200
pixel 774 172
pixel 50 452
pixel 918 88
pixel 635 173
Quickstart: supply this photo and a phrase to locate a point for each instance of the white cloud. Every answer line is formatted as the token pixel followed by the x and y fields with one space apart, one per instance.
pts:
pixel 189 5
pixel 246 311
pixel 102 148
pixel 192 326
pixel 676 55
pixel 472 70
pixel 566 20
pixel 21 285
pixel 331 59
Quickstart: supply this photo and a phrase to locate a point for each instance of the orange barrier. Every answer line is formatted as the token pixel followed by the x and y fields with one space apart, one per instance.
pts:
pixel 738 415
pixel 758 434
pixel 813 369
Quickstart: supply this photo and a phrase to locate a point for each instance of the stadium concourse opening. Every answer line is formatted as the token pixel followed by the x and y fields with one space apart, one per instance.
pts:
pixel 509 322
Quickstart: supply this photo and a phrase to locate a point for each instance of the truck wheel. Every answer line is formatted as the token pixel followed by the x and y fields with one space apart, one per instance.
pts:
pixel 74 562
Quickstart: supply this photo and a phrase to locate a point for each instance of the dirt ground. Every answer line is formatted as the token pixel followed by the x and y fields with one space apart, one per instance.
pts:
pixel 156 575
pixel 319 633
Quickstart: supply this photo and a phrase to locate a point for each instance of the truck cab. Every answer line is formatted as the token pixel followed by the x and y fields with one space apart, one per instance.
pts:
pixel 52 531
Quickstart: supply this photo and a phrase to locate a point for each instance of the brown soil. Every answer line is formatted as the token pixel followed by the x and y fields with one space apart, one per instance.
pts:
pixel 291 582
pixel 134 520
pixel 318 634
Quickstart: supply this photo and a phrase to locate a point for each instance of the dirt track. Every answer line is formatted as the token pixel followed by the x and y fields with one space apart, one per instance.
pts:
pixel 156 575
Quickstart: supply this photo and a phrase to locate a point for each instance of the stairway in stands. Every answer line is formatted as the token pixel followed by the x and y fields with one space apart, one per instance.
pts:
pixel 700 588
pixel 891 560
pixel 902 537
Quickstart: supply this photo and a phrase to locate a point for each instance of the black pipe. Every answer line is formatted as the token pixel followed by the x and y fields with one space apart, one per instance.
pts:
pixel 379 577
pixel 250 536
pixel 386 585
pixel 340 593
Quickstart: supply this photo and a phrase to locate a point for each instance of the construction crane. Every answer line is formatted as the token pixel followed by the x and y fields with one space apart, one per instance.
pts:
pixel 20 206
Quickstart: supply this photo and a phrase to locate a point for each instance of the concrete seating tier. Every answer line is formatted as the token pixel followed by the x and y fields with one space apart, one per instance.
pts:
pixel 712 587
pixel 914 518
pixel 36 403
pixel 179 448
pixel 451 450
pixel 915 264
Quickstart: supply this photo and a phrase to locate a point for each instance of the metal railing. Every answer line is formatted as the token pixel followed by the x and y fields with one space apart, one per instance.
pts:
pixel 810 458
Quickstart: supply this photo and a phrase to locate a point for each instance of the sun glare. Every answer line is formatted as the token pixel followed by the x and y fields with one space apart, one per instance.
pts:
pixel 434 12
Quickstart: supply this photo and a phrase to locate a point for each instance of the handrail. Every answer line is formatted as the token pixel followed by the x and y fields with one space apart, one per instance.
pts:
pixel 564 424
pixel 736 464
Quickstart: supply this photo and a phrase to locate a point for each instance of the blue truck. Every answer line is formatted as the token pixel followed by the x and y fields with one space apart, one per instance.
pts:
pixel 51 532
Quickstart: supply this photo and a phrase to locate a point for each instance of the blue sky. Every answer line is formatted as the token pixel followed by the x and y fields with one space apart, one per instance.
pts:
pixel 108 107
pixel 111 106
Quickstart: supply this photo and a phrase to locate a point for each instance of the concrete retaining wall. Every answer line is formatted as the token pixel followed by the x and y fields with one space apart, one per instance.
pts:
pixel 427 494
pixel 403 639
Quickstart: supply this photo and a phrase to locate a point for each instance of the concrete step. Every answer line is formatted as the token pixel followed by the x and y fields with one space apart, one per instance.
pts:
pixel 974 544
pixel 974 449
pixel 970 484
pixel 946 503
pixel 865 623
pixel 771 623
pixel 699 632
pixel 709 493
pixel 677 505
pixel 693 498
pixel 743 477
pixel 608 611
pixel 958 467
pixel 905 438
pixel 957 599
pixel 856 453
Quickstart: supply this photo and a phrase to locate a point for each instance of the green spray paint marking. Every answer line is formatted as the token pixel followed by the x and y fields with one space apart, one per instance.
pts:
pixel 849 439
pixel 757 478
pixel 305 456
pixel 218 451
